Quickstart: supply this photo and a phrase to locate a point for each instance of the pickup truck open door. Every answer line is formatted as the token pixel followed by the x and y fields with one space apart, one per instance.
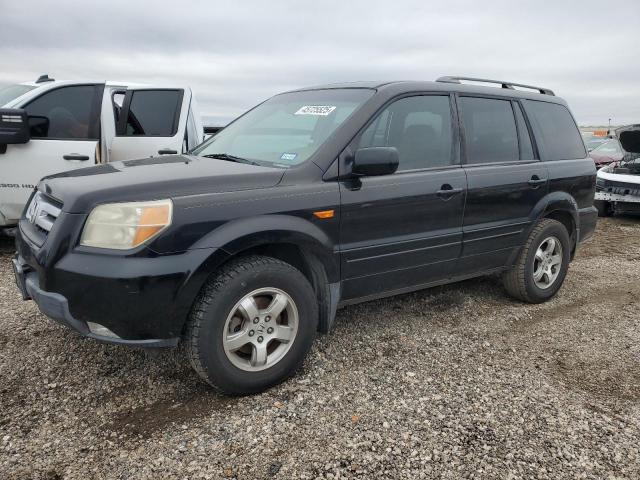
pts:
pixel 73 125
pixel 152 121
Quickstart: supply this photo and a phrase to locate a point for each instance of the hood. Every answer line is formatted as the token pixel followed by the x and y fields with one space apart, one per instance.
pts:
pixel 154 178
pixel 598 158
pixel 629 137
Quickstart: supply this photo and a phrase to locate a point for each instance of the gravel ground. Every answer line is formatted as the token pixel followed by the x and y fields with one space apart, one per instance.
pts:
pixel 453 382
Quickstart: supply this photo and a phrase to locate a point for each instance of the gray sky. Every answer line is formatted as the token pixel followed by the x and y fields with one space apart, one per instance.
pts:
pixel 237 53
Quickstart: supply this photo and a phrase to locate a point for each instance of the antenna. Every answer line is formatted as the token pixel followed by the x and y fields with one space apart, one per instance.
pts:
pixel 44 78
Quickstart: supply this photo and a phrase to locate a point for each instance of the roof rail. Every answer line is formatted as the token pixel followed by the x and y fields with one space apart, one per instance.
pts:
pixel 509 85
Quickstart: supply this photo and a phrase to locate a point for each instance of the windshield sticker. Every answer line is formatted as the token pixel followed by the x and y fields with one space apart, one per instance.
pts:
pixel 288 156
pixel 321 110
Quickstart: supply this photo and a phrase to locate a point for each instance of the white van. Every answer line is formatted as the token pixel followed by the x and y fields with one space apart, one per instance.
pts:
pixel 51 126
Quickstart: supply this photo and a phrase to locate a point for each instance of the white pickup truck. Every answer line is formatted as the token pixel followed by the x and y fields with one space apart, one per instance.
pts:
pixel 51 126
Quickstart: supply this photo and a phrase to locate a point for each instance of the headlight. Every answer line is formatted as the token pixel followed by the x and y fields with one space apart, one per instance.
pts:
pixel 126 225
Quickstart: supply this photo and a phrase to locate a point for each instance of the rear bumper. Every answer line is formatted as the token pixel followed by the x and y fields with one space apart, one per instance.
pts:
pixel 588 218
pixel 56 307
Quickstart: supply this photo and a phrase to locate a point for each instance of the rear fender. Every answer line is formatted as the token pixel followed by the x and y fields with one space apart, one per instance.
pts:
pixel 553 202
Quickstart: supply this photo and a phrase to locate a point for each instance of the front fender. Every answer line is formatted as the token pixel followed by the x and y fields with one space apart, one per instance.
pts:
pixel 242 234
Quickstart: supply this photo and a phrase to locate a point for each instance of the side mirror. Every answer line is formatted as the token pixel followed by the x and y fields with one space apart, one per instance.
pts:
pixel 374 161
pixel 14 126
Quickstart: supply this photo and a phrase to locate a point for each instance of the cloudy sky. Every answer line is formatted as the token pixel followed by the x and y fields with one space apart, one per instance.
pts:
pixel 237 53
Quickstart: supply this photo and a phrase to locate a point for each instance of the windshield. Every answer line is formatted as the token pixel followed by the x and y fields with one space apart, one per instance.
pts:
pixel 287 129
pixel 592 143
pixel 608 147
pixel 7 94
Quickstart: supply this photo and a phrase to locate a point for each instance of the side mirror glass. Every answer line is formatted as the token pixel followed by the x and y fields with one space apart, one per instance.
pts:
pixel 14 126
pixel 374 161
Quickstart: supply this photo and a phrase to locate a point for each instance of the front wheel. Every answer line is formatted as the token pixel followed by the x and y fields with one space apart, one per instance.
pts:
pixel 542 264
pixel 252 325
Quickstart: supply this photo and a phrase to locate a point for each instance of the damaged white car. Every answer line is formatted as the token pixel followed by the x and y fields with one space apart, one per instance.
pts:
pixel 618 184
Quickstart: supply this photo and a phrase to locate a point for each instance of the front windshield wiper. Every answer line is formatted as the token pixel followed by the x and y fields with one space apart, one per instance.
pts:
pixel 230 158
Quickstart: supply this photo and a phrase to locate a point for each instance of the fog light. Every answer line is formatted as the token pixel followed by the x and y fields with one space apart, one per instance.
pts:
pixel 100 330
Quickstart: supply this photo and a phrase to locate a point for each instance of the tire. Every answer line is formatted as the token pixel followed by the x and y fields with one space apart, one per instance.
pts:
pixel 218 316
pixel 605 209
pixel 520 282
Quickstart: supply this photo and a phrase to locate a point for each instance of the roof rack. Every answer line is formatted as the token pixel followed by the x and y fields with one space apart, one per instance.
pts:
pixel 509 85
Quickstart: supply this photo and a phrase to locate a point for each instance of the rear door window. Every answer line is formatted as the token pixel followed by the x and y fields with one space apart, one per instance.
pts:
pixel 152 113
pixel 557 134
pixel 490 130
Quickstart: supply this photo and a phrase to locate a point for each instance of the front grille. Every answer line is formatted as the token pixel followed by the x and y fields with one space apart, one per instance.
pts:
pixel 615 184
pixel 619 188
pixel 43 212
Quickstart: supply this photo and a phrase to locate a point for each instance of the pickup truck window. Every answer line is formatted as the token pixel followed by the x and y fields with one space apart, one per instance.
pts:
pixel 11 92
pixel 556 131
pixel 419 127
pixel 66 113
pixel 490 130
pixel 153 113
pixel 287 129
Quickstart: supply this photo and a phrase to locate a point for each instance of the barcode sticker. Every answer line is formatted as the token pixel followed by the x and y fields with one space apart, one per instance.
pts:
pixel 321 110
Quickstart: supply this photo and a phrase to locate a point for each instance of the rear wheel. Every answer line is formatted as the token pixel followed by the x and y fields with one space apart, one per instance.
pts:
pixel 252 325
pixel 542 264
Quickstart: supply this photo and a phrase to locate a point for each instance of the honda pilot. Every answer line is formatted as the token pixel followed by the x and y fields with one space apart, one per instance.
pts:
pixel 315 199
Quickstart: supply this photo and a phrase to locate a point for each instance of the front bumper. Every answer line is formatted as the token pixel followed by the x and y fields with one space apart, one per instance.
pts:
pixel 56 307
pixel 135 298
pixel 616 197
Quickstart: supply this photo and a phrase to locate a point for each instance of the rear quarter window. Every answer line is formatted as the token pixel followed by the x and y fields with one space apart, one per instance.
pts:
pixel 556 131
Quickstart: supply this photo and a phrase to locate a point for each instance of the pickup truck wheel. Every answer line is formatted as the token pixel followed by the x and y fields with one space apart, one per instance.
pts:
pixel 542 264
pixel 252 325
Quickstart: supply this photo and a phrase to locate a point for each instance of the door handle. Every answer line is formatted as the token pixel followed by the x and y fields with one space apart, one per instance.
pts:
pixel 76 156
pixel 536 181
pixel 167 151
pixel 447 191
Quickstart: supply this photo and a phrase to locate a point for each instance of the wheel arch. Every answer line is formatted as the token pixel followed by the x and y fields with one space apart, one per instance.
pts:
pixel 291 239
pixel 562 207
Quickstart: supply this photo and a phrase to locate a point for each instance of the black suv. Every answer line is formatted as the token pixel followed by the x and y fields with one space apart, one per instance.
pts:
pixel 314 199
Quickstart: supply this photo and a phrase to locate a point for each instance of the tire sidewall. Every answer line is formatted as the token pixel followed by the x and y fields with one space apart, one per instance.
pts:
pixel 557 230
pixel 214 359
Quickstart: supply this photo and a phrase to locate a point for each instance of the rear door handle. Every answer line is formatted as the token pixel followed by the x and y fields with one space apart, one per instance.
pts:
pixel 536 181
pixel 76 156
pixel 447 191
pixel 167 151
